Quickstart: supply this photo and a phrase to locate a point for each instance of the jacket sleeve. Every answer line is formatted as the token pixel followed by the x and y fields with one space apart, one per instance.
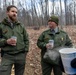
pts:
pixel 68 41
pixel 26 40
pixel 2 40
pixel 40 42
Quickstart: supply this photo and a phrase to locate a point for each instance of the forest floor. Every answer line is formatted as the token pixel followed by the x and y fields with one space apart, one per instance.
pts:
pixel 33 66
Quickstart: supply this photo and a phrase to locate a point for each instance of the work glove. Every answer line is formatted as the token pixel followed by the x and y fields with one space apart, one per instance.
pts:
pixel 73 63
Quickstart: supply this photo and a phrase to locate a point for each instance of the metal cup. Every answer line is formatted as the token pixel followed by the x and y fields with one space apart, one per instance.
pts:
pixel 51 42
pixel 15 39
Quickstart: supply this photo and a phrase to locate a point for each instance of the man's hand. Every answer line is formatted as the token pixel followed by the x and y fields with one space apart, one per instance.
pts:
pixel 11 42
pixel 49 46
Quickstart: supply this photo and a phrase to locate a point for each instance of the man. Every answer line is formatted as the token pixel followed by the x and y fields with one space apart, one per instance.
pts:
pixel 14 43
pixel 60 39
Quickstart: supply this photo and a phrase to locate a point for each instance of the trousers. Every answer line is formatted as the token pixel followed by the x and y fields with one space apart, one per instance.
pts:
pixel 18 60
pixel 47 69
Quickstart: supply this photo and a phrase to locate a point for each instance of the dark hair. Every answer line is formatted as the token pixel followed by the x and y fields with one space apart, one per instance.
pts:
pixel 11 6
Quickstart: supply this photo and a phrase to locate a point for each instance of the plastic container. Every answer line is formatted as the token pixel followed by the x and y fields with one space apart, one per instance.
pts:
pixel 67 55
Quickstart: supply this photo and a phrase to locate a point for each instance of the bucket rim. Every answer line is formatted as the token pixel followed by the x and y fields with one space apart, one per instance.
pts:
pixel 69 50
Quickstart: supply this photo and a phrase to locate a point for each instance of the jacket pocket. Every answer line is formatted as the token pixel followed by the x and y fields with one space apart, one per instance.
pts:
pixel 3 68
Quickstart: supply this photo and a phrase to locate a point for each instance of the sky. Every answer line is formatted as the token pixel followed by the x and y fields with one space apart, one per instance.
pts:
pixel 25 3
pixel 38 6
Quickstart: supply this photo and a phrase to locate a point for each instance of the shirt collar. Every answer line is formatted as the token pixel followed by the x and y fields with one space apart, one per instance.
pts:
pixel 55 30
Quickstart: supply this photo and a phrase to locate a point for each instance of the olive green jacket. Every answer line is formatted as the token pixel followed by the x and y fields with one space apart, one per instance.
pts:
pixel 61 39
pixel 18 30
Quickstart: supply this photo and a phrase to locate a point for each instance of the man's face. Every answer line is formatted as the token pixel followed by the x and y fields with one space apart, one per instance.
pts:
pixel 12 14
pixel 52 25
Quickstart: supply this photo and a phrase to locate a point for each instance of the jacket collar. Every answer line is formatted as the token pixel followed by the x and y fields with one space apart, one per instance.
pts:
pixel 7 22
pixel 57 31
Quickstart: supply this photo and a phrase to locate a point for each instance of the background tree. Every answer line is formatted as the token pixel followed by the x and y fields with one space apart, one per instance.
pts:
pixel 36 13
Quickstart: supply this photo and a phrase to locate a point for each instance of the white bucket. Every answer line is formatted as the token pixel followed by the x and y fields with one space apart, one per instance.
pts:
pixel 67 55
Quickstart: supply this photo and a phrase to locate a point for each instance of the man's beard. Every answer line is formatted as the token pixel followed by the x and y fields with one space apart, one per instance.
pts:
pixel 13 18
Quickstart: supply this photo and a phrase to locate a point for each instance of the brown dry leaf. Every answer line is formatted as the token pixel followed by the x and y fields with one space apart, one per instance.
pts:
pixel 33 66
